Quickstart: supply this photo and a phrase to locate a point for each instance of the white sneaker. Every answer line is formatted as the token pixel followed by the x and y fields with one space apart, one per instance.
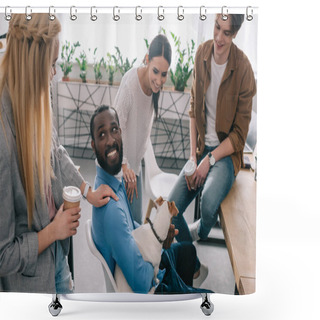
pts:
pixel 202 276
pixel 193 228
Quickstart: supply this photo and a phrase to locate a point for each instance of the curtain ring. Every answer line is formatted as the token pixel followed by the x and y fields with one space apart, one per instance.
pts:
pixel 93 17
pixel 52 15
pixel 249 16
pixel 116 17
pixel 73 15
pixel 203 15
pixel 7 15
pixel 28 15
pixel 160 16
pixel 224 13
pixel 138 16
pixel 180 15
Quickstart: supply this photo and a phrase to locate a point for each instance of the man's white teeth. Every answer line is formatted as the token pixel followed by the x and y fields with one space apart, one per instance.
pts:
pixel 112 153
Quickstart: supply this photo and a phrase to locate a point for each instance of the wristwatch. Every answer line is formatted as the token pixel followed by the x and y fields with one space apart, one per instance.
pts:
pixel 86 189
pixel 212 160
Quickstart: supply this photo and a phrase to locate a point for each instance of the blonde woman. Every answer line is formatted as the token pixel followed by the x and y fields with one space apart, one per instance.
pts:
pixel 34 168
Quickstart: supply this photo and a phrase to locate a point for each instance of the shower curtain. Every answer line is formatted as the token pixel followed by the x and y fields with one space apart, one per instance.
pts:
pixel 98 48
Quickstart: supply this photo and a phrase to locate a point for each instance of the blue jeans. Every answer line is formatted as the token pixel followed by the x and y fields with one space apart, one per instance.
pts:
pixel 179 262
pixel 216 187
pixel 136 205
pixel 64 283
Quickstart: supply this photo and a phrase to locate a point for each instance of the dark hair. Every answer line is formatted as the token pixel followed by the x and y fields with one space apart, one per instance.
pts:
pixel 236 22
pixel 96 112
pixel 159 47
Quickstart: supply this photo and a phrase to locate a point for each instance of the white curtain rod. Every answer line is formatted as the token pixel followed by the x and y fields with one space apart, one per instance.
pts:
pixel 138 10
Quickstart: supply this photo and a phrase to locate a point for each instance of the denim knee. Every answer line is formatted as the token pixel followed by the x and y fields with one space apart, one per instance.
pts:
pixel 217 185
pixel 209 216
pixel 181 195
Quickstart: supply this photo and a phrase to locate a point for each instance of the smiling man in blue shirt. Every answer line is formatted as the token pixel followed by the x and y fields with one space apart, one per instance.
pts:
pixel 112 225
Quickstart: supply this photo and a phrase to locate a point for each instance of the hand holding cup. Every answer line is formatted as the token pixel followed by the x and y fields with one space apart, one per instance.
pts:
pixel 189 171
pixel 67 218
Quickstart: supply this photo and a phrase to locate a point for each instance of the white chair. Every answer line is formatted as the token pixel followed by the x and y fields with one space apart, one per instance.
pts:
pixel 157 183
pixel 111 285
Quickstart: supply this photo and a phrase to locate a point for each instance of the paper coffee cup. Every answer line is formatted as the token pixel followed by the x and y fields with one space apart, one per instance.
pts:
pixel 71 196
pixel 189 171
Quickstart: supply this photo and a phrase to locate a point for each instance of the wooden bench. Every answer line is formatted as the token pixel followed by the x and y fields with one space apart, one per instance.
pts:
pixel 238 222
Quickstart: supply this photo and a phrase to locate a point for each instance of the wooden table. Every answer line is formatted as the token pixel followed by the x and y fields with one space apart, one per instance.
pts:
pixel 238 222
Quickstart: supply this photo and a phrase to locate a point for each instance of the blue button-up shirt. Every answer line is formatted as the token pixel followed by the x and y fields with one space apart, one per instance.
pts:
pixel 112 227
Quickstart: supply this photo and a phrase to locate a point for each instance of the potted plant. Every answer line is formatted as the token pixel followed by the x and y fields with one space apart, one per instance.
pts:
pixel 67 53
pixel 97 67
pixel 82 62
pixel 110 67
pixel 122 65
pixel 184 64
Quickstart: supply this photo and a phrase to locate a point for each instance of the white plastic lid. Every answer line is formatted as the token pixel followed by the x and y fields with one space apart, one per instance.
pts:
pixel 190 168
pixel 71 194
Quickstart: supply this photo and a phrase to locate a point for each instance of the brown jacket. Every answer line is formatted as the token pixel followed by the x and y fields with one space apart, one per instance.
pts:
pixel 234 102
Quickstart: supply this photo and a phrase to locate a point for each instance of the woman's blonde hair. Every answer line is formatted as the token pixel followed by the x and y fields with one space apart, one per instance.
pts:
pixel 25 71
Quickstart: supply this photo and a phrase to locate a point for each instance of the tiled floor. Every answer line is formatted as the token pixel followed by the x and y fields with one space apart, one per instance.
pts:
pixel 87 269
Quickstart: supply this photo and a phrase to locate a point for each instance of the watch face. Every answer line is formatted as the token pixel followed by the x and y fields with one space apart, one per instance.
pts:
pixel 211 159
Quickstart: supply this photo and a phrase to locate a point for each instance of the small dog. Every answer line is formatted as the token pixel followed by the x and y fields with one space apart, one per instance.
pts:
pixel 149 238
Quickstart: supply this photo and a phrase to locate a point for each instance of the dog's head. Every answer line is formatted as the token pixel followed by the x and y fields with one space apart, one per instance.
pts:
pixel 171 206
pixel 158 202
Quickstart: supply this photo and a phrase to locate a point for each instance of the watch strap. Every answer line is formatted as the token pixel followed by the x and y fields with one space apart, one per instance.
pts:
pixel 86 189
pixel 212 160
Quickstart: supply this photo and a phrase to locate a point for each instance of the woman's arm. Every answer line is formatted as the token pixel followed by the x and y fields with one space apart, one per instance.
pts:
pixel 100 196
pixel 63 226
pixel 65 170
pixel 19 250
pixel 123 104
pixel 130 181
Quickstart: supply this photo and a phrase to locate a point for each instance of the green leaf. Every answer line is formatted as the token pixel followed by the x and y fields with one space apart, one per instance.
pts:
pixel 67 53
pixel 147 43
pixel 184 65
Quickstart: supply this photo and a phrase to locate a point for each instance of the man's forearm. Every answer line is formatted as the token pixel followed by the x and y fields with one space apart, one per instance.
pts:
pixel 193 138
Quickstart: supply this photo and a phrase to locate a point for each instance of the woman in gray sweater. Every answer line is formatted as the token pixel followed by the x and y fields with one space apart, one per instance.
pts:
pixel 34 168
